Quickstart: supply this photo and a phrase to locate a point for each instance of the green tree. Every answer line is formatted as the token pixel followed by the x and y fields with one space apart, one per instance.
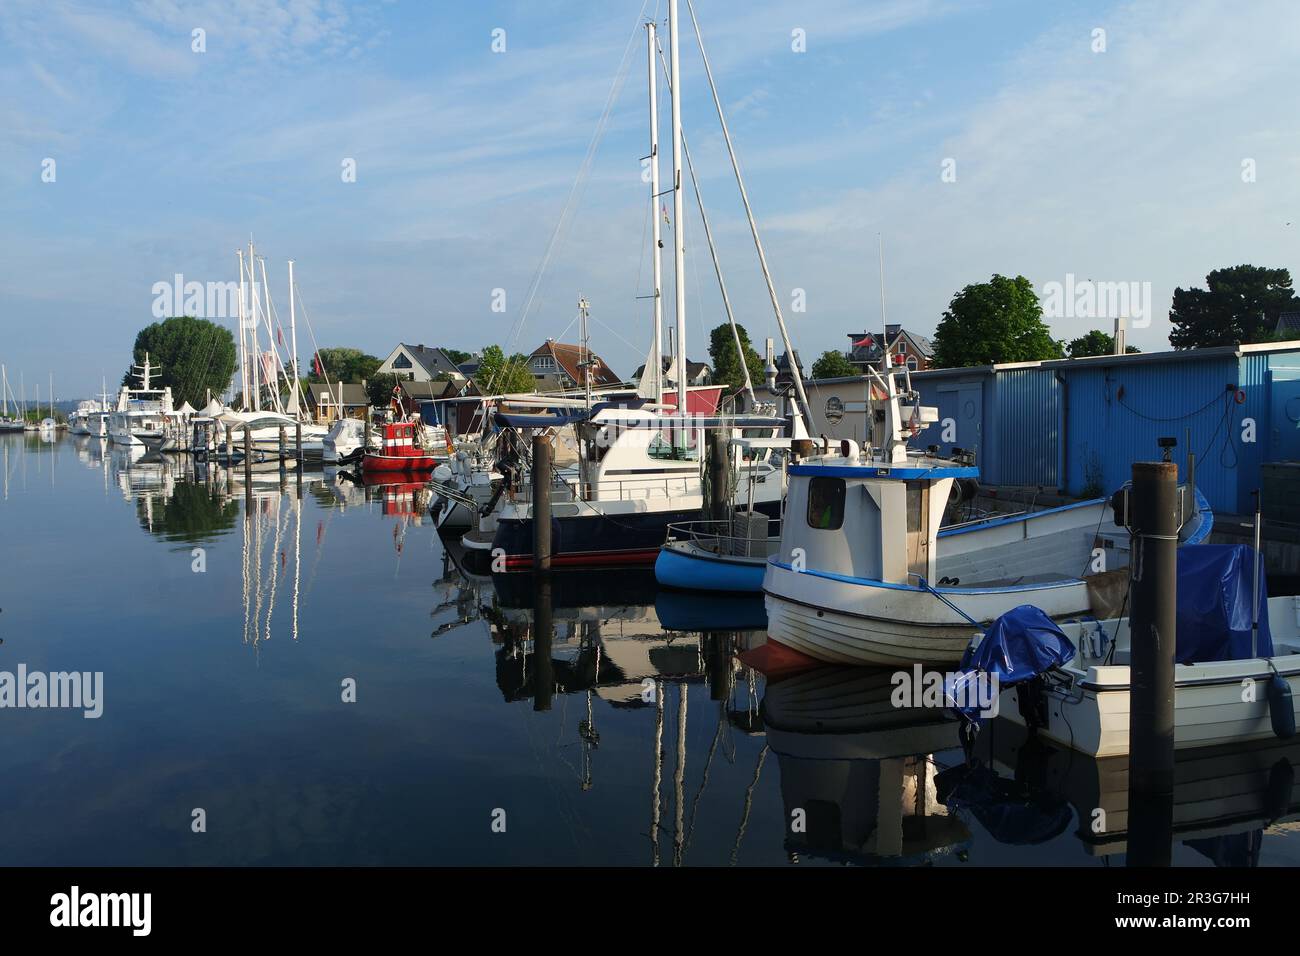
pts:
pixel 1095 342
pixel 991 322
pixel 834 365
pixel 1239 304
pixel 192 355
pixel 726 365
pixel 379 388
pixel 498 375
pixel 344 365
pixel 457 356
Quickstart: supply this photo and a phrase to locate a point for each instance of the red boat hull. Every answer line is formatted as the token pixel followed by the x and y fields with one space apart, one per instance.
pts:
pixel 397 463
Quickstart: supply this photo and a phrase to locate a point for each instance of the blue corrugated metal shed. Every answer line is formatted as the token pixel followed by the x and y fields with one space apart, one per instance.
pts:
pixel 1089 419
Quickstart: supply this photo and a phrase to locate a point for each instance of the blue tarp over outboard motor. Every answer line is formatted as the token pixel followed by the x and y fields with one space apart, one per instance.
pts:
pixel 1017 647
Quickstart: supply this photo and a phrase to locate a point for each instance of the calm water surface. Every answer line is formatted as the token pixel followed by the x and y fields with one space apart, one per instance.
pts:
pixel 635 737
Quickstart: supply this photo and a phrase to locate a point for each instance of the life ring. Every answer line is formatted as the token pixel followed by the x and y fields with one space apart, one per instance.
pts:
pixel 1240 396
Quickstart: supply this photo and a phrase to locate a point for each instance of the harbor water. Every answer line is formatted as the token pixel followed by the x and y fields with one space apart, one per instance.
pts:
pixel 296 672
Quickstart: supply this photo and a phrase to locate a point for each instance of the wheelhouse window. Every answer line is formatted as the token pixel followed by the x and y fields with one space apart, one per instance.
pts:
pixel 826 503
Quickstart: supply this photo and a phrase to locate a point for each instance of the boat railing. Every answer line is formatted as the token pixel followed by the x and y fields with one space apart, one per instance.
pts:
pixel 719 537
pixel 617 489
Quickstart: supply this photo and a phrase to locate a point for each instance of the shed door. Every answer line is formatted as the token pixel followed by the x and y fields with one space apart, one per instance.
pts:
pixel 961 410
pixel 1284 414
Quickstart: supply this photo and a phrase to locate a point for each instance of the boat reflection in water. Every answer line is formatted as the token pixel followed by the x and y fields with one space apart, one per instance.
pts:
pixel 857 773
pixel 1226 799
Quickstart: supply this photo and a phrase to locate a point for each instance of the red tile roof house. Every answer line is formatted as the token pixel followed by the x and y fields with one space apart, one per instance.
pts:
pixel 557 366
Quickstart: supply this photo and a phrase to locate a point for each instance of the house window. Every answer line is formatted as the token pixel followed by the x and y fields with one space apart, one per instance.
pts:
pixel 902 348
pixel 826 503
pixel 402 361
pixel 544 362
pixel 911 362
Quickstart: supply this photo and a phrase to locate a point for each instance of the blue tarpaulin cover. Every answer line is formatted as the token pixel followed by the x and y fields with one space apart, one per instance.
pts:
pixel 1214 593
pixel 1022 643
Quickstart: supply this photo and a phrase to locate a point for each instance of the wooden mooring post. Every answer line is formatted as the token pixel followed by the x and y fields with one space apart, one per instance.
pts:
pixel 719 448
pixel 1154 520
pixel 541 476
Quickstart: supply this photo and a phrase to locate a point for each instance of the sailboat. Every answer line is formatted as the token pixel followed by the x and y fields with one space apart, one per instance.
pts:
pixel 7 424
pixel 260 371
pixel 639 468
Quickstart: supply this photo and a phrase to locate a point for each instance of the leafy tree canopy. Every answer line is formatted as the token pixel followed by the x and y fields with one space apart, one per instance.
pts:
pixel 1095 342
pixel 726 364
pixel 1240 304
pixel 991 322
pixel 345 365
pixel 457 356
pixel 834 365
pixel 498 375
pixel 193 355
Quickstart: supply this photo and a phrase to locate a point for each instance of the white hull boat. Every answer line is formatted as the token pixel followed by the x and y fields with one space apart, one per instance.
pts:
pixel 1214 703
pixel 865 575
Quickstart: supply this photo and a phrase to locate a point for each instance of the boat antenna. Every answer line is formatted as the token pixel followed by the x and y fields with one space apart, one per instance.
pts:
pixel 884 322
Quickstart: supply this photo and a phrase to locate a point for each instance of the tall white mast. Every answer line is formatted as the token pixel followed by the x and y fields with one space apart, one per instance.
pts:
pixel 293 344
pixel 657 240
pixel 4 392
pixel 243 351
pixel 252 333
pixel 679 230
pixel 270 336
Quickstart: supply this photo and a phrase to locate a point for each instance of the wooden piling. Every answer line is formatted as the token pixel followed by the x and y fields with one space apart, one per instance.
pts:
pixel 1154 520
pixel 719 452
pixel 541 476
pixel 543 635
pixel 284 447
pixel 230 440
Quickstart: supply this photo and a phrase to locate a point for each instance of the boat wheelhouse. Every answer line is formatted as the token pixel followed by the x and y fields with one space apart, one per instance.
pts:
pixel 864 574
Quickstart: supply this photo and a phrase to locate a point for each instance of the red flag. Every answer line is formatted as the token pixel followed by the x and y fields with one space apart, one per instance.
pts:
pixel 315 364
pixel 279 336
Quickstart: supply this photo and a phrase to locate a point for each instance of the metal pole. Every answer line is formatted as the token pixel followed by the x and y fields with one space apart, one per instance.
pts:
pixel 541 504
pixel 1254 577
pixel 656 238
pixel 679 226
pixel 1152 634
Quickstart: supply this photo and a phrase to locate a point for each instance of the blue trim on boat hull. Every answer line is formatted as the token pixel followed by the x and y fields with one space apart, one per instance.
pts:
pixel 693 572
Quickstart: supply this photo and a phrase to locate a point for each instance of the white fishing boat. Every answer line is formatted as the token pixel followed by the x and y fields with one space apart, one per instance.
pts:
pixel 141 412
pixel 1215 703
pixel 866 576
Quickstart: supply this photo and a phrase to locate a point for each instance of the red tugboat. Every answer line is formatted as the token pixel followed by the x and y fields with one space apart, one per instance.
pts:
pixel 400 454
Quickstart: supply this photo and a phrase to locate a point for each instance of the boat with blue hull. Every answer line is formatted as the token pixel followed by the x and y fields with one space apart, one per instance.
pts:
pixel 710 556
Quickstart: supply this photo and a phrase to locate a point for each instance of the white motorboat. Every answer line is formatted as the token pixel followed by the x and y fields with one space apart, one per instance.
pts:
pixel 1215 703
pixel 141 412
pixel 865 575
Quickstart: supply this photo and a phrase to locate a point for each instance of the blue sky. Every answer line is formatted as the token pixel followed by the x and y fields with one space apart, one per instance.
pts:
pixel 1122 165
